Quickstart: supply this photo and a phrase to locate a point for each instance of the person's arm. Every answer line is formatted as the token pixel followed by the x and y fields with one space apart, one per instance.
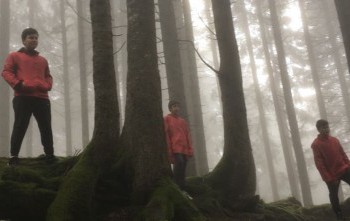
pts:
pixel 46 84
pixel 9 73
pixel 342 152
pixel 189 140
pixel 320 165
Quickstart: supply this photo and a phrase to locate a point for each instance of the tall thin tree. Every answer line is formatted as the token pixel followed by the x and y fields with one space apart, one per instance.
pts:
pixel 281 120
pixel 66 85
pixel 234 175
pixel 292 119
pixel 4 89
pixel 83 73
pixel 262 116
pixel 343 9
pixel 193 93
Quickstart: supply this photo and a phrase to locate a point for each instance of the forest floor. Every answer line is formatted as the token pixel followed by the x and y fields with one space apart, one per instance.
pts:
pixel 23 184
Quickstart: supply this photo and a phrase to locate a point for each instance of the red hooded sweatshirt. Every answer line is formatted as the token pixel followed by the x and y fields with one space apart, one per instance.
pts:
pixel 28 74
pixel 177 135
pixel 330 158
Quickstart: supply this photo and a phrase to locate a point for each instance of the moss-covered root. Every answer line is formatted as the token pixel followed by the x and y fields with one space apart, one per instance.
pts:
pixel 74 199
pixel 169 203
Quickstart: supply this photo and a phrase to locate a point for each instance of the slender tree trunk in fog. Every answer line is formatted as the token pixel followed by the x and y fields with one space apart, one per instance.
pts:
pixel 210 23
pixel 193 98
pixel 343 9
pixel 143 132
pixel 337 59
pixel 235 173
pixel 292 119
pixel 122 55
pixel 116 40
pixel 259 100
pixel 171 49
pixel 281 120
pixel 4 88
pixel 29 135
pixel 312 60
pixel 74 200
pixel 67 107
pixel 83 74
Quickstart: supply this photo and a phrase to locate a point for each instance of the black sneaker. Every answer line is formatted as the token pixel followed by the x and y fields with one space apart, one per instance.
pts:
pixel 13 161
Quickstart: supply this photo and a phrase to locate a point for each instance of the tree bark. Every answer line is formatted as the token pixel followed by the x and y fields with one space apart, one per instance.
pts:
pixel 234 175
pixel 143 133
pixel 74 199
pixel 4 88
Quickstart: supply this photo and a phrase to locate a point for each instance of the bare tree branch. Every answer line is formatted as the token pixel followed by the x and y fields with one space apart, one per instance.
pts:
pixel 121 47
pixel 200 56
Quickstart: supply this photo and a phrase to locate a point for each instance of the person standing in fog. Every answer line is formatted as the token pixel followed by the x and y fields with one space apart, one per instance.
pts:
pixel 178 141
pixel 28 74
pixel 332 163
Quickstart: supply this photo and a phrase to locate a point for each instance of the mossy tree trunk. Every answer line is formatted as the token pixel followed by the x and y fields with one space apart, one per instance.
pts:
pixel 74 198
pixel 143 132
pixel 234 175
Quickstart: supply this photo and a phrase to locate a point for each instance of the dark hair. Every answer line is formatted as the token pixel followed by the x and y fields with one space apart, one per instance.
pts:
pixel 320 123
pixel 28 31
pixel 172 103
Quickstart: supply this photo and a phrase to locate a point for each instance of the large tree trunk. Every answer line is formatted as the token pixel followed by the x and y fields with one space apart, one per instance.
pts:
pixel 262 117
pixel 83 75
pixel 292 119
pixel 74 199
pixel 234 175
pixel 343 9
pixel 4 88
pixel 281 120
pixel 143 132
pixel 67 107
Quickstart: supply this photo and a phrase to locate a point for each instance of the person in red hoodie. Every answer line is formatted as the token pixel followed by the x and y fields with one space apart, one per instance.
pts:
pixel 179 142
pixel 332 163
pixel 28 74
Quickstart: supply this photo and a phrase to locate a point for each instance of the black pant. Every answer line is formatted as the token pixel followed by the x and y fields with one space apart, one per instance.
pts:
pixel 180 169
pixel 24 107
pixel 333 191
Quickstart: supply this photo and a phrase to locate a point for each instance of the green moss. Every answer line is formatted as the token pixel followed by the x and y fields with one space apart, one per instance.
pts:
pixel 73 201
pixel 169 203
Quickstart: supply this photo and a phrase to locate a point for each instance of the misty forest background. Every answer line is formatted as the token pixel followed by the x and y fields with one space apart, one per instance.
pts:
pixel 294 70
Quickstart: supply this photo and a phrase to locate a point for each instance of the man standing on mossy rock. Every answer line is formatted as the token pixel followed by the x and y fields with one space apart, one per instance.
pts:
pixel 28 74
pixel 332 163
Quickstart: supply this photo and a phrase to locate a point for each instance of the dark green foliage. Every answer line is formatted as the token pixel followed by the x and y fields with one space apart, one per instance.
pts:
pixel 27 190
